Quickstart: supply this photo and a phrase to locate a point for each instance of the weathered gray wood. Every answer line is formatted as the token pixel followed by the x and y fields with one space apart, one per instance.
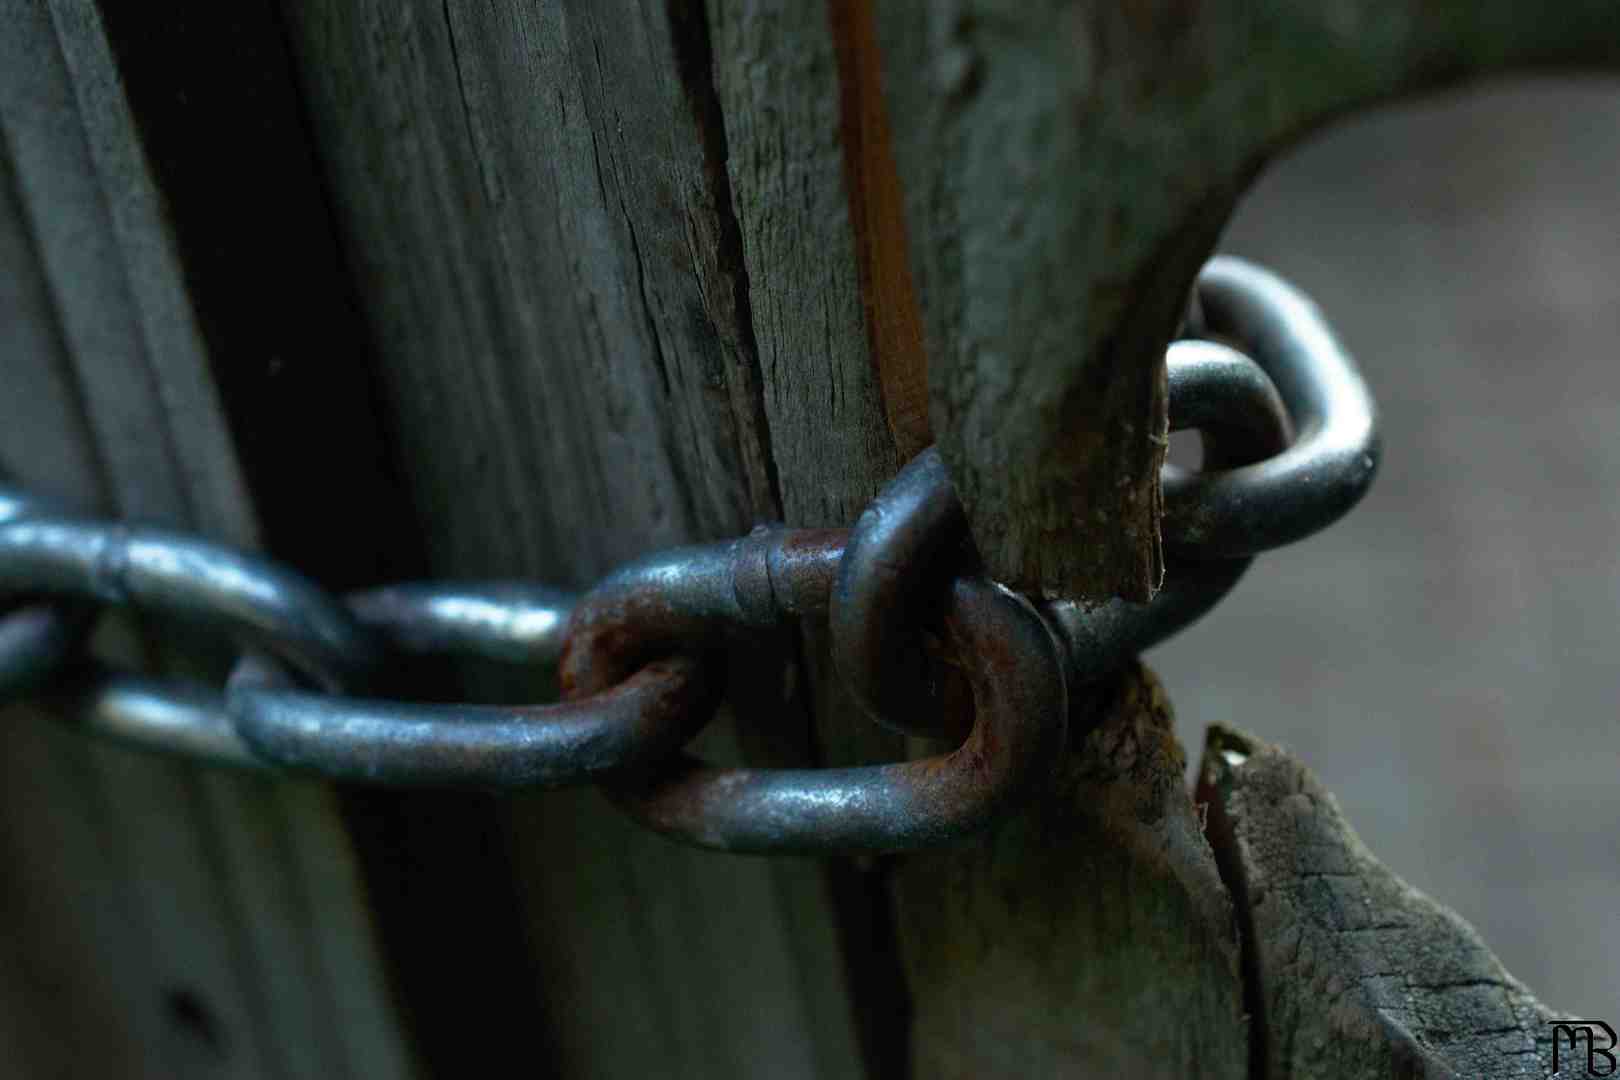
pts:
pixel 627 268
pixel 1113 929
pixel 1068 167
pixel 1089 935
pixel 776 75
pixel 537 205
pixel 784 94
pixel 1355 975
pixel 506 183
pixel 160 920
pixel 496 173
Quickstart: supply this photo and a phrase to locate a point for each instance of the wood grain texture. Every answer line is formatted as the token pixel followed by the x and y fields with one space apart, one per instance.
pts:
pixel 824 307
pixel 1089 935
pixel 579 364
pixel 530 214
pixel 777 78
pixel 1121 926
pixel 1353 974
pixel 1067 168
pixel 877 217
pixel 170 921
pixel 626 282
pixel 776 75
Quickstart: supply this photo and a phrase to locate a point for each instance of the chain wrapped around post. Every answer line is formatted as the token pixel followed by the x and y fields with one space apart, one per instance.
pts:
pixel 1255 492
pixel 701 594
pixel 640 654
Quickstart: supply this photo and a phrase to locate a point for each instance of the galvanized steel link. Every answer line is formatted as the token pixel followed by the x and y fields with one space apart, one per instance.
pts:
pixel 641 719
pixel 1232 512
pixel 637 653
pixel 507 621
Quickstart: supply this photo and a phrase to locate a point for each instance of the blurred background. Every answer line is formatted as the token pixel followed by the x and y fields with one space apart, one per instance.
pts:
pixel 1447 659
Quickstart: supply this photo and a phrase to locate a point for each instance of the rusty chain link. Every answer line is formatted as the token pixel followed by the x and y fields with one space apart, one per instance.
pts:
pixel 638 654
pixel 1258 489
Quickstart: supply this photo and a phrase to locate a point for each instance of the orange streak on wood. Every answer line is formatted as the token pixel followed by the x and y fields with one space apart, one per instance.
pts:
pixel 877 216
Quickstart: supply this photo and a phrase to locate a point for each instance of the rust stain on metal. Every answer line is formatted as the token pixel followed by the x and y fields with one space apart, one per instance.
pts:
pixel 1017 737
pixel 611 633
pixel 804 566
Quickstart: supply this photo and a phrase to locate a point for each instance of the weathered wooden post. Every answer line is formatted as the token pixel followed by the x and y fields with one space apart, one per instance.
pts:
pixel 525 290
pixel 1068 168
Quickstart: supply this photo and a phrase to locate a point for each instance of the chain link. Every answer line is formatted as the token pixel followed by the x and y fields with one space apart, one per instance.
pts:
pixel 640 656
pixel 914 537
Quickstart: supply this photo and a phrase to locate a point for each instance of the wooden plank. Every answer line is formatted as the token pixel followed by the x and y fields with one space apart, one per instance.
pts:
pixel 1068 167
pixel 776 73
pixel 200 924
pixel 1119 928
pixel 535 203
pixel 777 76
pixel 297 395
pixel 839 352
pixel 1352 973
pixel 1465 725
pixel 617 249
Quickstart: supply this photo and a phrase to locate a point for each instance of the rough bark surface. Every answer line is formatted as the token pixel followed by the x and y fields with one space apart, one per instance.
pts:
pixel 1068 167
pixel 1353 974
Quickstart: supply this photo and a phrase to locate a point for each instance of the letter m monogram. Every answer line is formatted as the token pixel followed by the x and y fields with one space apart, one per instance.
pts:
pixel 1574 1031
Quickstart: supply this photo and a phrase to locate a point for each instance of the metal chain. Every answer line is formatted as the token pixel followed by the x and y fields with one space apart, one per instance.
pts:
pixel 640 655
pixel 914 536
pixel 1258 490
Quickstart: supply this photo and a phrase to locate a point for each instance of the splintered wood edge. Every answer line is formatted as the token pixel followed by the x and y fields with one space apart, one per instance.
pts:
pixel 1352 973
